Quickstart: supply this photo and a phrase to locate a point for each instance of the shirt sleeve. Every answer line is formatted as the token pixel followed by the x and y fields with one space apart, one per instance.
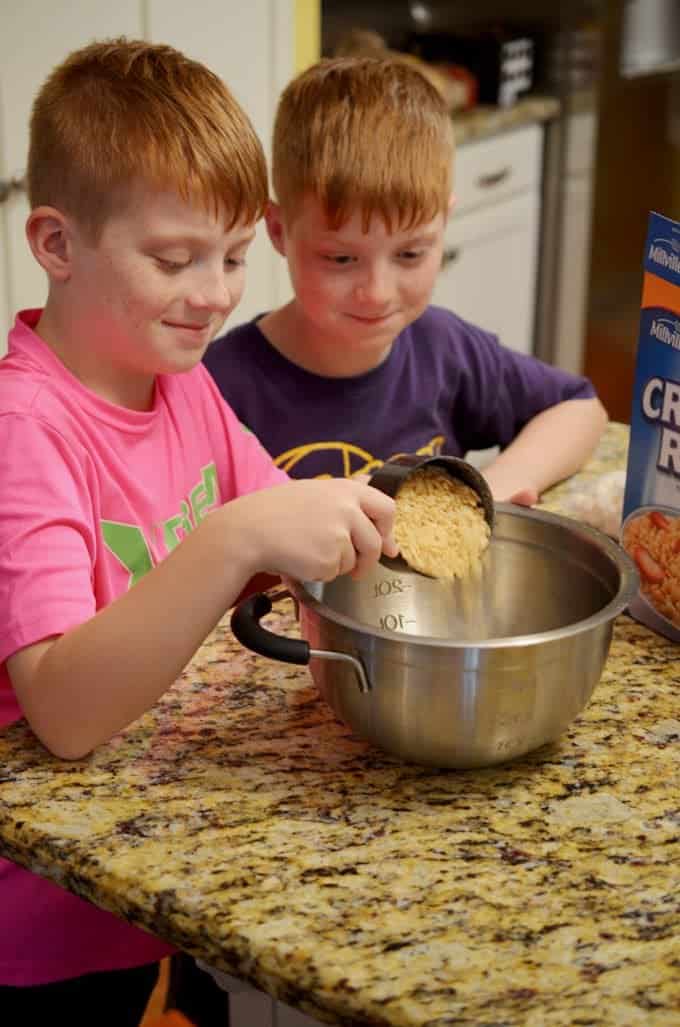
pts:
pixel 500 390
pixel 47 537
pixel 254 468
pixel 249 466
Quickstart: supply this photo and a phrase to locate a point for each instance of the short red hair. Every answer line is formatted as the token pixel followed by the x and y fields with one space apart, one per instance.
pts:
pixel 363 132
pixel 121 111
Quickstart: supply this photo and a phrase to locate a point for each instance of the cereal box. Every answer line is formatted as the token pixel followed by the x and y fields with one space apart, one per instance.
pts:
pixel 651 507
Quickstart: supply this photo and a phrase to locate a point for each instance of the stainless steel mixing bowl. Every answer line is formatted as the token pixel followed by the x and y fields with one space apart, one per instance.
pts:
pixel 464 673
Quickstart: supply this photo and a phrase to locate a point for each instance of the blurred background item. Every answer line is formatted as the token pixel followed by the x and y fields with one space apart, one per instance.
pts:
pixel 501 59
pixel 457 85
pixel 636 169
pixel 650 37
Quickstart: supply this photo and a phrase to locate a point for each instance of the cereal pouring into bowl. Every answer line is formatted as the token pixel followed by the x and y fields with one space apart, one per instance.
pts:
pixel 439 525
pixel 444 513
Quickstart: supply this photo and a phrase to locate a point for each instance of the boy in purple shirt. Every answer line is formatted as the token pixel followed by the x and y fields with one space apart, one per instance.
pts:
pixel 357 367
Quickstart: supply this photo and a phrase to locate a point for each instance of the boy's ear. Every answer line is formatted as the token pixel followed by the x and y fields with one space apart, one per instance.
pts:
pixel 274 221
pixel 49 236
pixel 452 204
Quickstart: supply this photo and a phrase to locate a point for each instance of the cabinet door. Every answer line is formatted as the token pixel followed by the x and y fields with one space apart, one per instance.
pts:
pixel 488 272
pixel 250 46
pixel 26 58
pixel 494 169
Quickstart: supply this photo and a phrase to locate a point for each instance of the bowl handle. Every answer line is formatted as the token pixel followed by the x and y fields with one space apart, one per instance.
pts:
pixel 245 624
pixel 246 627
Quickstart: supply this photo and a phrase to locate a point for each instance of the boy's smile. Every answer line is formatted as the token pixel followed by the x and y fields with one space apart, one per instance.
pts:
pixel 355 291
pixel 155 289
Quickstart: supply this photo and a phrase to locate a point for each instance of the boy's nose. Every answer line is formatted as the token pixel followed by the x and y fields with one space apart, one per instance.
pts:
pixel 374 290
pixel 215 292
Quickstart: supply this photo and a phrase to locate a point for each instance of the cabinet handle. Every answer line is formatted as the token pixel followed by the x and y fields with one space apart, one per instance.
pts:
pixel 11 185
pixel 495 178
pixel 450 256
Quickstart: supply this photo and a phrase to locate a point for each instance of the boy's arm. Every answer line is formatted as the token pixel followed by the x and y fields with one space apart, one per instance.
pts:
pixel 81 688
pixel 550 447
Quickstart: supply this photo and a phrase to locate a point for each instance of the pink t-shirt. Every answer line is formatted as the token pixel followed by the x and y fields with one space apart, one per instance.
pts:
pixel 93 496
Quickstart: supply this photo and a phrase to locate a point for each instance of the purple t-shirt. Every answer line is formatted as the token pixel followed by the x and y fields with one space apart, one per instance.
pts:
pixel 446 387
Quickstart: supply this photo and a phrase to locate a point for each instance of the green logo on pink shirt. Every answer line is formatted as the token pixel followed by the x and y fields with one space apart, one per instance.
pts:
pixel 128 543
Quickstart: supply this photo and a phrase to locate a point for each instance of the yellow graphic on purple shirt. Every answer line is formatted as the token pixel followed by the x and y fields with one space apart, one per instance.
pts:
pixel 346 459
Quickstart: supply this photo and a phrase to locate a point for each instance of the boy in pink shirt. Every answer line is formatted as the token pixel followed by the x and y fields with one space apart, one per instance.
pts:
pixel 134 506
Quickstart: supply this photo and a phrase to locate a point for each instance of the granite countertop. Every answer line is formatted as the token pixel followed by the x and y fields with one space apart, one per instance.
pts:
pixel 484 121
pixel 611 454
pixel 239 820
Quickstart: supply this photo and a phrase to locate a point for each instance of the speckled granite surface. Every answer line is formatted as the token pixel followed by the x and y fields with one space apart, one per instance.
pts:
pixel 611 454
pixel 481 122
pixel 241 821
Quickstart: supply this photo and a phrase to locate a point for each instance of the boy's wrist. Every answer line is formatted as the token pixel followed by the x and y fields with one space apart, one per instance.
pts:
pixel 239 538
pixel 229 544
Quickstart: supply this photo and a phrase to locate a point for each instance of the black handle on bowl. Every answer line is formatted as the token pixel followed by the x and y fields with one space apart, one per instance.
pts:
pixel 245 624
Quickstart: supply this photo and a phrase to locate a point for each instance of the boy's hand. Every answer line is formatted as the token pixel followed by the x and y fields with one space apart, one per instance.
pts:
pixel 505 483
pixel 315 530
pixel 525 497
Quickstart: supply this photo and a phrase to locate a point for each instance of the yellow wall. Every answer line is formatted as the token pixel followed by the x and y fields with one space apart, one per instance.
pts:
pixel 307 33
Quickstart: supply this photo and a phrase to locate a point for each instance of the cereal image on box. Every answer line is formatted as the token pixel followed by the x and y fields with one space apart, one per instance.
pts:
pixel 651 506
pixel 653 540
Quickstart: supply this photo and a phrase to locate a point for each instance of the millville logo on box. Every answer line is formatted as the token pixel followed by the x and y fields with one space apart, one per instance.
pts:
pixel 659 253
pixel 665 329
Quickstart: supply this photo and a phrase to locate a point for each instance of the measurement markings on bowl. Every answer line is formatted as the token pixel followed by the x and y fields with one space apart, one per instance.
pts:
pixel 390 588
pixel 395 622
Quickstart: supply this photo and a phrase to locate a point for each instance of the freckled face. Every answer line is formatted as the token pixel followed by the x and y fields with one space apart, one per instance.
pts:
pixel 159 283
pixel 360 289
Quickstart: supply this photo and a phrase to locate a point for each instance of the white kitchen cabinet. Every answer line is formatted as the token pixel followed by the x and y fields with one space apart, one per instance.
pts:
pixel 490 170
pixel 26 58
pixel 489 268
pixel 255 1009
pixel 250 46
pixel 250 1007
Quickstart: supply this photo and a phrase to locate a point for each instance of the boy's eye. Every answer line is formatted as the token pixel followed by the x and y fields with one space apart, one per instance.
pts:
pixel 231 263
pixel 341 259
pixel 172 266
pixel 409 255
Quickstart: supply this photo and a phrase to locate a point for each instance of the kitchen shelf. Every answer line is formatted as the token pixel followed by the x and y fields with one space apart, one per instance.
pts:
pixel 484 121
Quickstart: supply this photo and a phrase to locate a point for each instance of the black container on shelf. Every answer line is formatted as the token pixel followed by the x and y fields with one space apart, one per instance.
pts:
pixel 503 61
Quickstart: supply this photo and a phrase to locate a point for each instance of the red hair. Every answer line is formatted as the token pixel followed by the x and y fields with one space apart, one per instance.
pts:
pixel 119 112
